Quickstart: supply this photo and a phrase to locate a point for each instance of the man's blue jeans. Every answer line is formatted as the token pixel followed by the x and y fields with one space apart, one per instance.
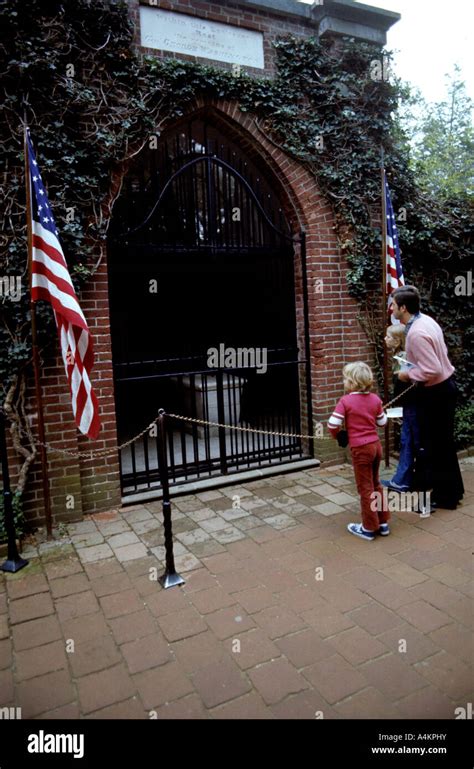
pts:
pixel 409 443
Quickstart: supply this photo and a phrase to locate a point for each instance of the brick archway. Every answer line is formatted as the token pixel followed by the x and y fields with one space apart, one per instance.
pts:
pixel 194 310
pixel 335 336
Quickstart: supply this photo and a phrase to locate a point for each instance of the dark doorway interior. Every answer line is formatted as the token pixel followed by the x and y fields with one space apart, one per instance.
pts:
pixel 200 255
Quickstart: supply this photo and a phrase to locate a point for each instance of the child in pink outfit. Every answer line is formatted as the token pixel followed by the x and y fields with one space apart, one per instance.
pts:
pixel 362 412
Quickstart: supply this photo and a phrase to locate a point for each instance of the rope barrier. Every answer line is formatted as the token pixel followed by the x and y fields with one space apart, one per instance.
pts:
pixel 92 453
pixel 268 432
pixel 248 429
pixel 400 395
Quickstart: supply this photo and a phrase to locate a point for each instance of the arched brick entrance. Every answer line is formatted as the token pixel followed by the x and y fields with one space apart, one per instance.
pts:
pixel 334 333
pixel 201 258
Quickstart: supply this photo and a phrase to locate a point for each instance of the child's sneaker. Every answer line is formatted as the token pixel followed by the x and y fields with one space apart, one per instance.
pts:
pixel 359 531
pixel 384 530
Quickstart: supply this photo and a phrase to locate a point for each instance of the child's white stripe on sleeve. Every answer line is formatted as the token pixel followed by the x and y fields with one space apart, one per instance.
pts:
pixel 335 420
pixel 382 419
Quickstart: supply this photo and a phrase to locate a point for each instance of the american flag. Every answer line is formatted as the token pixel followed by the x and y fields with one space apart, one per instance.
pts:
pixel 395 277
pixel 50 280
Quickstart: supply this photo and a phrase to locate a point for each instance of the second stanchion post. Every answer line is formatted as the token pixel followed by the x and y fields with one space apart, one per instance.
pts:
pixel 170 578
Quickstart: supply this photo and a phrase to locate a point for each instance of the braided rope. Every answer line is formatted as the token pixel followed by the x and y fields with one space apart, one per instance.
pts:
pixel 248 429
pixel 93 452
pixel 109 452
pixel 400 395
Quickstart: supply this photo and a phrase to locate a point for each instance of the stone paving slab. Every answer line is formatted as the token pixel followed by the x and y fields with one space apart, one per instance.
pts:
pixel 283 614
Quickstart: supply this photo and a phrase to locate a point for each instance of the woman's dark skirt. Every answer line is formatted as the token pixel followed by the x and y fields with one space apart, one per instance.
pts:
pixel 437 462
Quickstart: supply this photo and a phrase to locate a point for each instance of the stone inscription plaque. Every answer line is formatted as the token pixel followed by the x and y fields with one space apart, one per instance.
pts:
pixel 179 33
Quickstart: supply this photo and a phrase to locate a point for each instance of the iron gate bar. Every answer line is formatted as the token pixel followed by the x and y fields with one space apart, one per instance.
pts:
pixel 196 467
pixel 221 418
pixel 307 340
pixel 233 172
pixel 209 372
pixel 259 453
pixel 262 451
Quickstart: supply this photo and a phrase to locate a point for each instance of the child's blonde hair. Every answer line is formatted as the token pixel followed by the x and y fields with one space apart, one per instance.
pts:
pixel 357 376
pixel 397 332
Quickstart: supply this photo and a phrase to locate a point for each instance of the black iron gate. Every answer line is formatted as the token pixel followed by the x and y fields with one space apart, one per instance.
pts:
pixel 202 299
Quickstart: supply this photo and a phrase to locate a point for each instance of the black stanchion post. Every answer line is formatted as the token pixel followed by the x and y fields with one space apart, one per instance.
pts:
pixel 170 578
pixel 14 561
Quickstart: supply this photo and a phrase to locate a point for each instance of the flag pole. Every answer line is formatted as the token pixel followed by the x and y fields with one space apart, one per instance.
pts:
pixel 384 302
pixel 36 365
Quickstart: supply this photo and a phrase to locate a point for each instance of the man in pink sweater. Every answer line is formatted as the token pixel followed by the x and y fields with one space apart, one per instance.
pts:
pixel 436 397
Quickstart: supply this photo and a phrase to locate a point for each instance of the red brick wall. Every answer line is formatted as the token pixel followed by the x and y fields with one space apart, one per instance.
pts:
pixel 77 485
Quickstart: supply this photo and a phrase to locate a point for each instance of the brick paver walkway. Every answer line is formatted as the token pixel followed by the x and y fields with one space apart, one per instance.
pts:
pixel 283 614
